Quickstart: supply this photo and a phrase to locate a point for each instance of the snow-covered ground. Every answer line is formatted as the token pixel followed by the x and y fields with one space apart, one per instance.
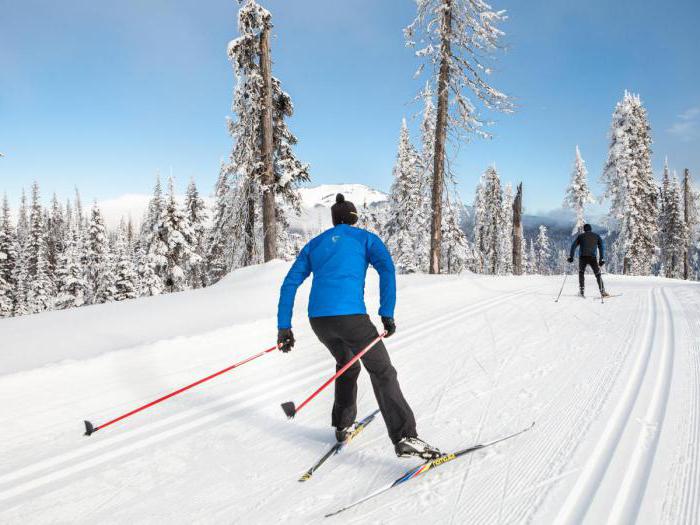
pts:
pixel 614 389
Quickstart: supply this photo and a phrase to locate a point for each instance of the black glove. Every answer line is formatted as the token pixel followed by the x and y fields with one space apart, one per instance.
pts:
pixel 389 326
pixel 601 263
pixel 570 259
pixel 285 339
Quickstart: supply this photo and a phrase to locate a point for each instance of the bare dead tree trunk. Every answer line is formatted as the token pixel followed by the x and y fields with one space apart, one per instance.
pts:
pixel 686 217
pixel 268 176
pixel 440 139
pixel 517 232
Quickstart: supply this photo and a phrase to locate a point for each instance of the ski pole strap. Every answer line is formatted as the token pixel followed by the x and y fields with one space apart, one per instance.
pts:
pixel 90 429
pixel 342 370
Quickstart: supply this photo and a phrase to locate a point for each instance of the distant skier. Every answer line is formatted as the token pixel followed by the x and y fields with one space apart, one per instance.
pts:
pixel 338 259
pixel 590 247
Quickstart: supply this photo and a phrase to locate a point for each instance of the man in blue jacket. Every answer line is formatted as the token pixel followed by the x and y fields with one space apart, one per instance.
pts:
pixel 590 247
pixel 338 259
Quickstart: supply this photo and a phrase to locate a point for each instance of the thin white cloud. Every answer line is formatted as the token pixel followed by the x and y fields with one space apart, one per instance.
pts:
pixel 687 125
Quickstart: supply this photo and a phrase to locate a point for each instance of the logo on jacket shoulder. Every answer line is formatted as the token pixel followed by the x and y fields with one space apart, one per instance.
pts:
pixel 335 238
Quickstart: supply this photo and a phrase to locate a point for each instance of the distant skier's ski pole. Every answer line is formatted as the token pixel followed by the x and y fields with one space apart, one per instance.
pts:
pixel 291 410
pixel 90 429
pixel 562 288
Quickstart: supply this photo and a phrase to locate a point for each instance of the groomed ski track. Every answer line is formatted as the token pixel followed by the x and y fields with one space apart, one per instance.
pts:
pixel 614 389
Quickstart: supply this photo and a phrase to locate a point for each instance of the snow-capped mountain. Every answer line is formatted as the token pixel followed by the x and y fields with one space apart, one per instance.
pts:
pixel 317 201
pixel 324 195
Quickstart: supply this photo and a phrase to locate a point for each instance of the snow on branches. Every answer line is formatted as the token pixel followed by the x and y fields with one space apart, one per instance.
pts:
pixel 630 186
pixel 462 35
pixel 578 194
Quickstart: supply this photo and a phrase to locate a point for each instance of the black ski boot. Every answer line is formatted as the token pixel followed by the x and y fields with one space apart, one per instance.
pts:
pixel 341 434
pixel 581 294
pixel 414 447
pixel 603 293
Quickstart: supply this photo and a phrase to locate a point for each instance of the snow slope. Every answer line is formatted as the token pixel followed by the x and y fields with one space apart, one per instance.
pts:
pixel 614 389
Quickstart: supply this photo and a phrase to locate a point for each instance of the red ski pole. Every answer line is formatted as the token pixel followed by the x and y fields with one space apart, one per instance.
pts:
pixel 289 407
pixel 90 429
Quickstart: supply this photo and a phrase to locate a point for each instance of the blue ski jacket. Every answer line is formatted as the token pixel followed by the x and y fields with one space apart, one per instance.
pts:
pixel 339 258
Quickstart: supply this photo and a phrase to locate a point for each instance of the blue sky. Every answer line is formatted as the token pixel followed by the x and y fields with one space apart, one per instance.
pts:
pixel 103 95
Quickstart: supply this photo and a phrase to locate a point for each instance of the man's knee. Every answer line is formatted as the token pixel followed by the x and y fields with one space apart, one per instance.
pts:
pixel 351 373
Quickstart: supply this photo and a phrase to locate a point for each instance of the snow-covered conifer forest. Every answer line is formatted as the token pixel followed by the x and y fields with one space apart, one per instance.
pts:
pixel 57 254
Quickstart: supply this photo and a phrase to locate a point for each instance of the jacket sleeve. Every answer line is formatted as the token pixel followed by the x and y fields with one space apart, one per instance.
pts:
pixel 601 249
pixel 299 271
pixel 380 259
pixel 576 242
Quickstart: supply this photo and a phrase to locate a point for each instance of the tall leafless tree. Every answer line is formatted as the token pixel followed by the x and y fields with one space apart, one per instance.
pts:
pixel 454 38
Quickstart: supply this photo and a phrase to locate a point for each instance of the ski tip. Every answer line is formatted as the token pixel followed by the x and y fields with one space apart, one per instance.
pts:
pixel 289 409
pixel 305 477
pixel 89 429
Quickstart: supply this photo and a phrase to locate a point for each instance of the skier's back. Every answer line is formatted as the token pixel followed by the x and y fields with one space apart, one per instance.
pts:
pixel 591 253
pixel 338 259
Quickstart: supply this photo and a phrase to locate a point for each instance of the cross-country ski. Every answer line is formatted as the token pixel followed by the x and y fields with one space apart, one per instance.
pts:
pixel 337 447
pixel 271 262
pixel 425 467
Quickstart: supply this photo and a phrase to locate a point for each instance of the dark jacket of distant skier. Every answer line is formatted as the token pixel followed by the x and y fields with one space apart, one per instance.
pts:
pixel 339 259
pixel 589 243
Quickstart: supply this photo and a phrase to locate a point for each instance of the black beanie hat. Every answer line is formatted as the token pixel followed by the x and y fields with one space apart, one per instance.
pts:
pixel 343 212
pixel 587 227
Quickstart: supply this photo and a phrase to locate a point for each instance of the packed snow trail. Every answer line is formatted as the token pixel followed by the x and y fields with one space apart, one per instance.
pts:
pixel 613 387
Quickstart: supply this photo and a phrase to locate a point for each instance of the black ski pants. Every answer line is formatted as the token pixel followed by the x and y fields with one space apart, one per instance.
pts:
pixel 585 261
pixel 345 336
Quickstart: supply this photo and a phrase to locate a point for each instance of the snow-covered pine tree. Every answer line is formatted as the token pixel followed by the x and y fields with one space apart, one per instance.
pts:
pixel 455 38
pixel 505 250
pixel 245 169
pixel 578 194
pixel 220 236
pixel 457 255
pixel 543 252
pixel 56 226
pixel 149 282
pixel 72 288
pixel 176 244
pixel 79 215
pixel 8 260
pixel 531 258
pixel 405 206
pixel 39 286
pixel 630 186
pixel 126 282
pixel 22 220
pixel 488 220
pixel 196 211
pixel 673 233
pixel 691 207
pixel 151 219
pixel 98 268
